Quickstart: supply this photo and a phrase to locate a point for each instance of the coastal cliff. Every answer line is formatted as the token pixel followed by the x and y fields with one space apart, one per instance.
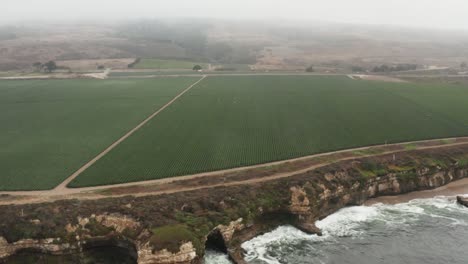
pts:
pixel 176 228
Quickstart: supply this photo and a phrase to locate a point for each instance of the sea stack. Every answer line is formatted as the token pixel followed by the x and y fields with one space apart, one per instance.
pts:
pixel 463 200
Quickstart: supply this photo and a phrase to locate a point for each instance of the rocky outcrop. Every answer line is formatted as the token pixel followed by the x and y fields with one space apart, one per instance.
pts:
pixel 84 239
pixel 118 222
pixel 187 254
pixel 50 246
pixel 462 200
pixel 341 189
pixel 228 231
pixel 299 201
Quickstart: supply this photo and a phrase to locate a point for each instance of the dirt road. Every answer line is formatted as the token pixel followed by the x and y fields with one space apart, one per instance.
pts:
pixel 224 177
pixel 54 76
pixel 62 188
pixel 228 74
pixel 381 78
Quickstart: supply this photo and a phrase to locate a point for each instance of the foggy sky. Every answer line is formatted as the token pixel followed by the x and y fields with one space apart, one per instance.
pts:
pixel 452 14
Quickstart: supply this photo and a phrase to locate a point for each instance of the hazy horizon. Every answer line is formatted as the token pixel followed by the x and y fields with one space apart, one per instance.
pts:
pixel 435 14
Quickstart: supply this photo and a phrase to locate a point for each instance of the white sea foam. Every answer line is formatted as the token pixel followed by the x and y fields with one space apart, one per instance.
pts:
pixel 214 257
pixel 351 222
pixel 256 249
pixel 346 221
pixel 354 222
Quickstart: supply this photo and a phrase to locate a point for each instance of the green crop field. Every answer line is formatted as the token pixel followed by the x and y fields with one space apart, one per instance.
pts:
pixel 50 128
pixel 167 64
pixel 231 121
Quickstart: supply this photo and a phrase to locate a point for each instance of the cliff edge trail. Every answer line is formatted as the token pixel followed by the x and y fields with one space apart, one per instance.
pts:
pixel 230 177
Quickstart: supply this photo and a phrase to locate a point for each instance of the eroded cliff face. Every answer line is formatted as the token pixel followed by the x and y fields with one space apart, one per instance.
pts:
pixel 186 254
pixel 103 230
pixel 341 189
pixel 50 245
pixel 317 194
pixel 175 228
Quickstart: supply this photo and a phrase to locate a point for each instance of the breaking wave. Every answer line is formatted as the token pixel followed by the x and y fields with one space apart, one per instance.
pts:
pixel 215 257
pixel 419 231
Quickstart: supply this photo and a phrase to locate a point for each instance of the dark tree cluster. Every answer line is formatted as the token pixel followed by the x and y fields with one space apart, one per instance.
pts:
pixel 131 65
pixel 358 69
pixel 49 66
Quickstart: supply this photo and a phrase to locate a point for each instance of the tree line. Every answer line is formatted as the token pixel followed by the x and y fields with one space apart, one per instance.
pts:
pixel 49 66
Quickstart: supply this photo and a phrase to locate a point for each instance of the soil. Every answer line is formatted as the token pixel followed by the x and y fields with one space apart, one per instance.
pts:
pixel 91 65
pixel 376 78
pixel 94 75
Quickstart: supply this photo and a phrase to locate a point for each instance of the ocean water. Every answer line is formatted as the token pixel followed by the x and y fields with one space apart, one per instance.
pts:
pixel 422 231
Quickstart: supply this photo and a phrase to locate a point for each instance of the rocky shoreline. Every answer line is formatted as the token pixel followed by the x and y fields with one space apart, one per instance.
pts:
pixel 176 228
pixel 462 200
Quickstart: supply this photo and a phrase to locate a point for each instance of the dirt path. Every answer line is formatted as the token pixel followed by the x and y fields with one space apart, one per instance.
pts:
pixel 96 75
pixel 381 78
pixel 218 178
pixel 105 75
pixel 269 164
pixel 273 176
pixel 62 188
pixel 101 75
pixel 227 74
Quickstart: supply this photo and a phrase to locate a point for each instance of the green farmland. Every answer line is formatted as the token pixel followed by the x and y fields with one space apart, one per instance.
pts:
pixel 50 128
pixel 231 121
pixel 167 64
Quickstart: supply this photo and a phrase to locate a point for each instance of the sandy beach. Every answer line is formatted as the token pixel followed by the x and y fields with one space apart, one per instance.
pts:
pixel 452 189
